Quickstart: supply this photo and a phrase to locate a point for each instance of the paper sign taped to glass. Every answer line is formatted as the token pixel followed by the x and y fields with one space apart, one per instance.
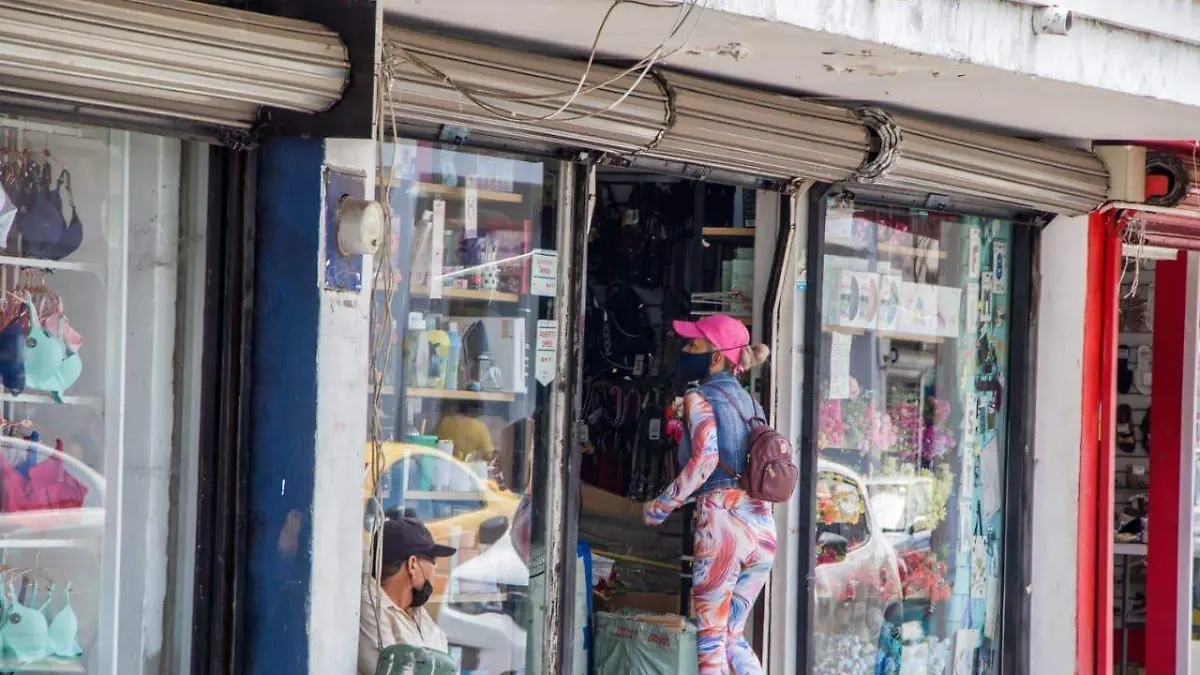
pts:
pixel 989 477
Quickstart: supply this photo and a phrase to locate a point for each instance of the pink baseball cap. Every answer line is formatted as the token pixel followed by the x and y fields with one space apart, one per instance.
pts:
pixel 725 333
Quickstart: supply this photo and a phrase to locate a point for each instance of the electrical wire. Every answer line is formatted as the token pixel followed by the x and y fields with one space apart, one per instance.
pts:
pixel 383 287
pixel 642 67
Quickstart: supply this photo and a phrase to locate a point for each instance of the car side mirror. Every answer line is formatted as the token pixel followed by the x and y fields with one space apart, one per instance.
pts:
pixel 492 530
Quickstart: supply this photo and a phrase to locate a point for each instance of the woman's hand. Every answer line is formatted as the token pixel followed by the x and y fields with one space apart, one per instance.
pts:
pixel 652 513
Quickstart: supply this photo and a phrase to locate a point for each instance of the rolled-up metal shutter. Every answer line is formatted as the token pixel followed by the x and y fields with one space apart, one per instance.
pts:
pixel 515 95
pixel 926 156
pixel 692 121
pixel 169 60
pixel 665 116
pixel 760 133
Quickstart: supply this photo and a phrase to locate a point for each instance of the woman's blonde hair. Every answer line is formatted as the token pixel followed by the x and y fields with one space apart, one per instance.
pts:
pixel 752 356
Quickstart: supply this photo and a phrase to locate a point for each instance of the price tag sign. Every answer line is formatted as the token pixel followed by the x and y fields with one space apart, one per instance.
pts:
pixel 546 356
pixel 543 273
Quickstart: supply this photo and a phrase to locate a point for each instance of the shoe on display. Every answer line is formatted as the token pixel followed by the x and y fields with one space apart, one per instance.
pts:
pixel 1124 372
pixel 1141 376
pixel 1126 441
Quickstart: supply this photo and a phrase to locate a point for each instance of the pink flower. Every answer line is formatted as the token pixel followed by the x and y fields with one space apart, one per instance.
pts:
pixel 675 431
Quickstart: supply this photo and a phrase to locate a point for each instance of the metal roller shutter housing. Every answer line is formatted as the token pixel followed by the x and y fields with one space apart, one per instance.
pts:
pixel 926 156
pixel 175 60
pixel 693 121
pixel 665 116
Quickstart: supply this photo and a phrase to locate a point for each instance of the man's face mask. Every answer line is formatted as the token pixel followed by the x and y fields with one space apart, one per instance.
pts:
pixel 424 591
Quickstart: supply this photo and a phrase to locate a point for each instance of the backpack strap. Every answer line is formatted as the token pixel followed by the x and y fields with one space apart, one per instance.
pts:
pixel 748 421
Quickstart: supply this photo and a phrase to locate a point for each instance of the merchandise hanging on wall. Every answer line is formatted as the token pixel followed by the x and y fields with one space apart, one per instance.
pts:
pixel 38 347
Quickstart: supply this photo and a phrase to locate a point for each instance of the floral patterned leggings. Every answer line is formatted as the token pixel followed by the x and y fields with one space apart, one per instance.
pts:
pixel 734 551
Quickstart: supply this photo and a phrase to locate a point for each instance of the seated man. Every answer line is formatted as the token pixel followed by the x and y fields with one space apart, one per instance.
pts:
pixel 392 610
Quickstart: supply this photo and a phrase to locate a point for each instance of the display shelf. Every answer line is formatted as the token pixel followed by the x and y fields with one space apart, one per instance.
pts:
pixel 747 319
pixel 460 395
pixel 44 543
pixel 1130 549
pixel 863 248
pixel 50 665
pixel 900 249
pixel 46 399
pixel 1135 401
pixel 39 264
pixel 890 335
pixel 461 192
pixel 468 294
pixel 729 232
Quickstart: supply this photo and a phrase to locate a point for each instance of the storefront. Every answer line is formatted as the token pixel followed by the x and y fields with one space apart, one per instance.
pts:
pixel 1145 321
pixel 114 185
pixel 544 233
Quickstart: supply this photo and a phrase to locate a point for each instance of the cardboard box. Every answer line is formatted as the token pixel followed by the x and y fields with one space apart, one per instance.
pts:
pixel 600 501
pixel 657 603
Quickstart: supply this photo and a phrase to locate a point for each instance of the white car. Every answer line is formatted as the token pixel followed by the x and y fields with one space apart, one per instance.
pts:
pixel 855 562
pixel 486 609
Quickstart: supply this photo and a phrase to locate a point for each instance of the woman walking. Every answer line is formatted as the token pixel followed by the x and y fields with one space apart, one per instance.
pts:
pixel 734 535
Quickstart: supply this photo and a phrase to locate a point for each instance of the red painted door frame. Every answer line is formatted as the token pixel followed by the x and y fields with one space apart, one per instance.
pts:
pixel 1094 599
pixel 1166 463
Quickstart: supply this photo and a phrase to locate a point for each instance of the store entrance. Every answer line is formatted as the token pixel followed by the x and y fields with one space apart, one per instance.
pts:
pixel 660 249
pixel 1156 578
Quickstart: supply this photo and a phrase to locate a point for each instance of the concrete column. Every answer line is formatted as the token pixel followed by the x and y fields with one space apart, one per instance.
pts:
pixel 308 418
pixel 1061 298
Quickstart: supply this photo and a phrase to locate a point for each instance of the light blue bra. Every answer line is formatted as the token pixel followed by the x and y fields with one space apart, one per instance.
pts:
pixel 28 636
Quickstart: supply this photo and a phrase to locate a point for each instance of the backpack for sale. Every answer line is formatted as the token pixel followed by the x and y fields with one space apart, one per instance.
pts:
pixel 771 473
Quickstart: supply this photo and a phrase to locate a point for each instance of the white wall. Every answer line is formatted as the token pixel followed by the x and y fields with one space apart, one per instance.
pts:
pixel 1062 293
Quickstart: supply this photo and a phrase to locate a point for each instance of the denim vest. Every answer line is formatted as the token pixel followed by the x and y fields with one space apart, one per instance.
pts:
pixel 733 433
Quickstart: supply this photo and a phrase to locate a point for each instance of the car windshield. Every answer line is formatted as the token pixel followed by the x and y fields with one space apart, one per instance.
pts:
pixel 888 503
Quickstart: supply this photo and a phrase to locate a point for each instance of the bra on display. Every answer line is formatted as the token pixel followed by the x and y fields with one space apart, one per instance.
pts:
pixel 28 636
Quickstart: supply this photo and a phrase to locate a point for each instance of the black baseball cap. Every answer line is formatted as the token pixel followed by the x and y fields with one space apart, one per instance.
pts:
pixel 407 537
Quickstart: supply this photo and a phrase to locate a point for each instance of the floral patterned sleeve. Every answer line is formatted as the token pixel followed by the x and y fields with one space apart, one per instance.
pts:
pixel 702 434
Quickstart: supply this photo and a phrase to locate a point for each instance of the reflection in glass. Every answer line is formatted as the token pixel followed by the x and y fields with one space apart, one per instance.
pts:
pixel 911 442
pixel 472 248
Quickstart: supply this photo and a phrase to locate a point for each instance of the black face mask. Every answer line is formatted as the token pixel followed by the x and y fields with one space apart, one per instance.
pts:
pixel 421 595
pixel 694 367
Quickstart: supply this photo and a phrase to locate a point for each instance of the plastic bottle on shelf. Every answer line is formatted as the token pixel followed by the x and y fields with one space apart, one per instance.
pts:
pixel 437 343
pixel 416 355
pixel 452 356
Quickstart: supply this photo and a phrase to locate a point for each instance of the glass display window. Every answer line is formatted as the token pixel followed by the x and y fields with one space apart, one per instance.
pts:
pixel 911 441
pixel 63 219
pixel 463 395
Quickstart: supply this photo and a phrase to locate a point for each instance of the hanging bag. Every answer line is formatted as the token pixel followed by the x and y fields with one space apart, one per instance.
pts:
pixel 771 473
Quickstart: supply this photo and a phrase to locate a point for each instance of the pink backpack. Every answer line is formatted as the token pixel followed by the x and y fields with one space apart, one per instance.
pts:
pixel 771 473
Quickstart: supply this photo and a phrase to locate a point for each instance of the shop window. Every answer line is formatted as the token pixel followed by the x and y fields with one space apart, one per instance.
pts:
pixel 88 356
pixel 464 338
pixel 911 441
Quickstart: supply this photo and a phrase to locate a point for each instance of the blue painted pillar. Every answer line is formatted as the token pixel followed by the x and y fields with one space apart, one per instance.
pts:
pixel 308 417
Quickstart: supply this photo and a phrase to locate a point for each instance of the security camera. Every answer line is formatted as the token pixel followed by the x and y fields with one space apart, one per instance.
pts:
pixel 1052 20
